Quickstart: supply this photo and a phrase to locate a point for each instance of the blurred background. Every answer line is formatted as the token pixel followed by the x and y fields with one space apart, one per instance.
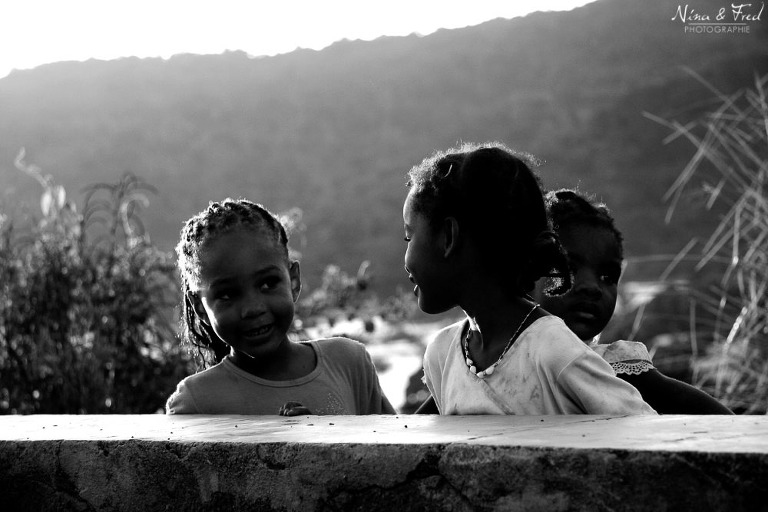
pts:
pixel 116 127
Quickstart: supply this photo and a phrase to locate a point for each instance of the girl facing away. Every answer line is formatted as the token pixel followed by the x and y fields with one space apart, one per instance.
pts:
pixel 239 288
pixel 595 250
pixel 478 238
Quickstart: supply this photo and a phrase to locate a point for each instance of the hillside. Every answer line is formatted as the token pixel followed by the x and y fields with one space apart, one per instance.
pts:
pixel 334 131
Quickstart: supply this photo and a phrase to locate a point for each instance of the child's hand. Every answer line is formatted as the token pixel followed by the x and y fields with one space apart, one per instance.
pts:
pixel 293 409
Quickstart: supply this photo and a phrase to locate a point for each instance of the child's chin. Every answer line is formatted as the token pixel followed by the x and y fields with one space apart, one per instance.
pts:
pixel 432 308
pixel 260 346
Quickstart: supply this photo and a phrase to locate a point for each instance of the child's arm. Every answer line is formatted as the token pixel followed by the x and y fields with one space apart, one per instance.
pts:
pixel 632 363
pixel 428 407
pixel 592 387
pixel 671 396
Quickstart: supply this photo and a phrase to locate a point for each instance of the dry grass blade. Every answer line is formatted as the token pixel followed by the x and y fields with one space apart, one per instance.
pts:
pixel 731 146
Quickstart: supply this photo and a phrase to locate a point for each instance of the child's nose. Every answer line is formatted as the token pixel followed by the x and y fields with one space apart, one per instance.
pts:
pixel 253 305
pixel 586 283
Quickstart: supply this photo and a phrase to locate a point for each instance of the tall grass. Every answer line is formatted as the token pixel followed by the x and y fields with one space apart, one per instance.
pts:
pixel 729 171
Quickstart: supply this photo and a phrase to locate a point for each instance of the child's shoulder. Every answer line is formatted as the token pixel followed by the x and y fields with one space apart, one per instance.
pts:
pixel 450 331
pixel 440 342
pixel 342 354
pixel 209 374
pixel 552 326
pixel 559 339
pixel 195 390
pixel 622 350
pixel 628 357
pixel 337 345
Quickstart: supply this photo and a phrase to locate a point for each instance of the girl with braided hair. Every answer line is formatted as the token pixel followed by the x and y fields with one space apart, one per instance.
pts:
pixel 478 238
pixel 596 252
pixel 239 287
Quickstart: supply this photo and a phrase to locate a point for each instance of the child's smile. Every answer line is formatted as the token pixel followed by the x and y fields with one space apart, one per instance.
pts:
pixel 247 292
pixel 423 260
pixel 258 332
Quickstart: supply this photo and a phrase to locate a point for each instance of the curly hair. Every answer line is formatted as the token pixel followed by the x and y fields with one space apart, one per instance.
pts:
pixel 219 218
pixel 569 207
pixel 494 194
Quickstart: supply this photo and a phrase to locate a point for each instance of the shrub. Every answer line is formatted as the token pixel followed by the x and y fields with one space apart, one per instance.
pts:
pixel 341 298
pixel 86 319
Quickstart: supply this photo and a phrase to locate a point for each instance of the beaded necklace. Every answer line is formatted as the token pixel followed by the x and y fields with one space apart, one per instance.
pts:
pixel 490 369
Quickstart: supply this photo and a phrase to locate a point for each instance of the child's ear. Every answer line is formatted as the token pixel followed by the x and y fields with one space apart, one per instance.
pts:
pixel 197 305
pixel 450 236
pixel 294 271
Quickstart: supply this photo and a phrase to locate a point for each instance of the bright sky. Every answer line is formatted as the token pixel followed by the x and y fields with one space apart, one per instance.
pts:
pixel 36 32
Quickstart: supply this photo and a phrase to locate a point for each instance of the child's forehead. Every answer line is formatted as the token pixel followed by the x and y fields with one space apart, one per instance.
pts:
pixel 411 206
pixel 590 237
pixel 240 254
pixel 243 234
pixel 579 229
pixel 242 243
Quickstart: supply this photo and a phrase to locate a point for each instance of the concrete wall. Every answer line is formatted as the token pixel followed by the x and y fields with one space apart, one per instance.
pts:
pixel 383 463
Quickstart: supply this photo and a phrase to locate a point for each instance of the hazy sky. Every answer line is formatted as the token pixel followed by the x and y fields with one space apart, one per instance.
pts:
pixel 36 32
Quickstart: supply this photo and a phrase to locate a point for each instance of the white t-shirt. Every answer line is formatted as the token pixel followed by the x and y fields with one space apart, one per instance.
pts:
pixel 344 381
pixel 548 370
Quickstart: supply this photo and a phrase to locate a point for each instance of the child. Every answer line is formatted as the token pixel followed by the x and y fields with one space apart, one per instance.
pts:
pixel 478 237
pixel 239 289
pixel 595 251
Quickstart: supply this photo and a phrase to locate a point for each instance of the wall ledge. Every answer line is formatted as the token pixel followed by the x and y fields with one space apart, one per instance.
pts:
pixel 156 462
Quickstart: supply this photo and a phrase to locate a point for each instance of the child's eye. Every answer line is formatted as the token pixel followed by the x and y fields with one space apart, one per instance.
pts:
pixel 610 278
pixel 270 283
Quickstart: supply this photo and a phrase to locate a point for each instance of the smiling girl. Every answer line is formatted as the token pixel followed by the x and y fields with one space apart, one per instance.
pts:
pixel 239 289
pixel 478 238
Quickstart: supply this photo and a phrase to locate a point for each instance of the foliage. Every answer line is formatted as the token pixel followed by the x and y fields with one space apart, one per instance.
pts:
pixel 729 171
pixel 341 298
pixel 86 317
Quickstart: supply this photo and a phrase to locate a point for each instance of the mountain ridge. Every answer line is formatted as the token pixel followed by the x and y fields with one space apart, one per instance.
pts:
pixel 334 131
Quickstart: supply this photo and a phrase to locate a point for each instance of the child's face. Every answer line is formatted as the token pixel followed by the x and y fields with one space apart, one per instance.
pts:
pixel 424 260
pixel 595 259
pixel 247 291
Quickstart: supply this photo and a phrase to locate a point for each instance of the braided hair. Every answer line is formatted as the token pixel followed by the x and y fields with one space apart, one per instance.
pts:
pixel 494 194
pixel 568 207
pixel 219 218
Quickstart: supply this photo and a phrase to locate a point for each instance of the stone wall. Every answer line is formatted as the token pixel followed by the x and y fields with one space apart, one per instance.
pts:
pixel 400 463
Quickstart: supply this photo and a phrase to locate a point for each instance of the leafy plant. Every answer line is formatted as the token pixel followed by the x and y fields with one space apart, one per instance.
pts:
pixel 729 172
pixel 342 297
pixel 86 317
